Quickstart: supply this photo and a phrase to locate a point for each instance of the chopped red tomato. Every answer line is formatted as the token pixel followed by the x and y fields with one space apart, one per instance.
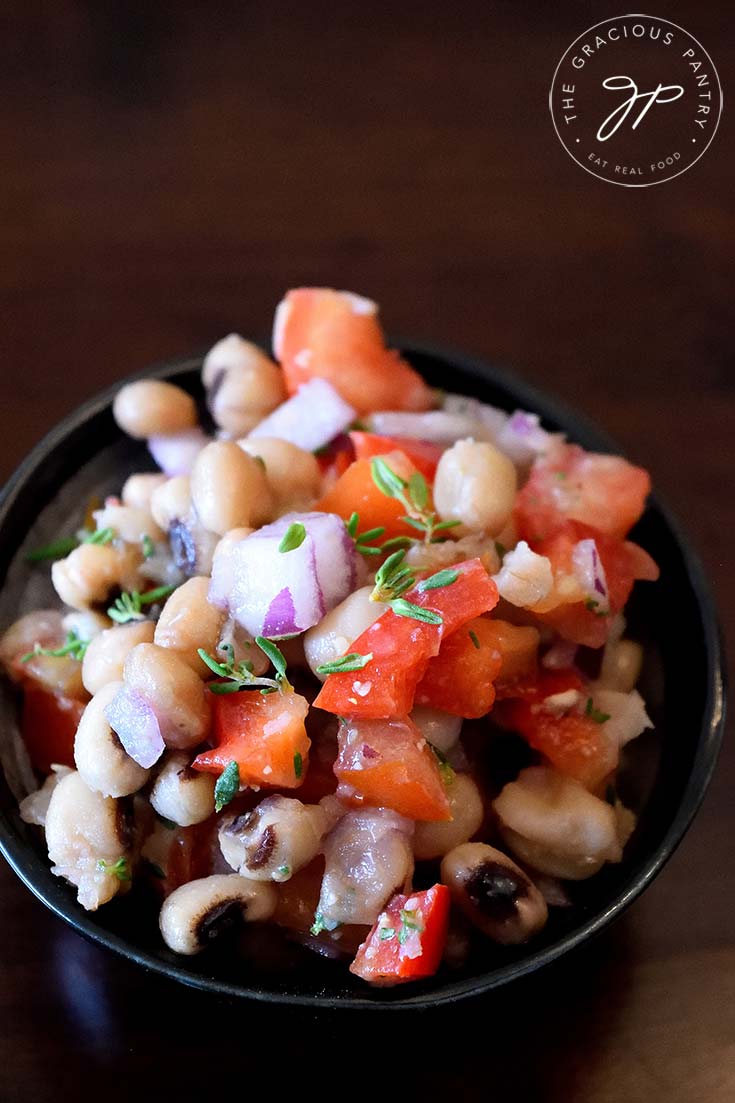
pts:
pixel 460 679
pixel 573 741
pixel 49 723
pixel 422 453
pixel 337 336
pixel 264 735
pixel 408 939
pixel 402 646
pixel 392 766
pixel 336 458
pixel 570 484
pixel 518 649
pixel 356 492
pixel 623 563
pixel 191 854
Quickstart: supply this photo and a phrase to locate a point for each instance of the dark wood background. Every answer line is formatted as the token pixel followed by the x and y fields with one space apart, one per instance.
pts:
pixel 167 171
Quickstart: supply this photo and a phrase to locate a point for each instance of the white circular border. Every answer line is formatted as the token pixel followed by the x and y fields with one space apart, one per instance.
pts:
pixel 657 19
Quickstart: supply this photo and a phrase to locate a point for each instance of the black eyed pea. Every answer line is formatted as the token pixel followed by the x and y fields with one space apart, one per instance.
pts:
pixel 332 636
pixel 555 825
pixel 494 893
pixel 441 729
pixel 92 572
pixel 246 394
pixel 476 485
pixel 293 474
pixel 188 622
pixel 244 648
pixel 88 838
pixel 275 840
pixel 34 808
pixel 138 490
pixel 199 911
pixel 622 661
pixel 44 626
pixel 180 794
pixel 105 657
pixel 99 755
pixel 434 840
pixel 229 488
pixel 170 501
pixel 152 407
pixel 129 523
pixel 174 692
pixel 235 353
pixel 86 623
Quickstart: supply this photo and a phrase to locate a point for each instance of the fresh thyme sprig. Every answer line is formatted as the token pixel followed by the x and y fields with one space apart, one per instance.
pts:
pixel 73 646
pixel 392 580
pixel 240 676
pixel 227 786
pixel 119 869
pixel 129 606
pixel 595 714
pixel 347 664
pixel 59 549
pixel 293 538
pixel 362 539
pixel 413 496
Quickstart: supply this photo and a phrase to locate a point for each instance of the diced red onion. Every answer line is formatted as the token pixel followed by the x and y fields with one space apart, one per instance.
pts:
pixel 277 594
pixel 135 724
pixel 436 426
pixel 590 574
pixel 522 438
pixel 368 857
pixel 560 655
pixel 175 455
pixel 311 418
pixel 490 417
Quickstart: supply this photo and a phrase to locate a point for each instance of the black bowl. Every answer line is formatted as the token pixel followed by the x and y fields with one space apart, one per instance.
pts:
pixel 664 777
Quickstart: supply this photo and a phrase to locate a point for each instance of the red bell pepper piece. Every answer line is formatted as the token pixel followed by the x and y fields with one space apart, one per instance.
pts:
pixel 264 735
pixel 355 491
pixel 460 679
pixel 390 764
pixel 623 563
pixel 574 742
pixel 49 722
pixel 408 939
pixel 422 453
pixel 401 647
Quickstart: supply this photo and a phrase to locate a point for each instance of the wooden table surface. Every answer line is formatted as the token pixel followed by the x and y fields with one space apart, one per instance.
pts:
pixel 168 170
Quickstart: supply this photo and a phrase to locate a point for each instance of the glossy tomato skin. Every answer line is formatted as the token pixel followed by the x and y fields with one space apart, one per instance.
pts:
pixel 569 484
pixel 355 491
pixel 337 336
pixel 573 742
pixel 623 563
pixel 390 764
pixel 423 454
pixel 460 679
pixel 265 735
pixel 49 723
pixel 408 939
pixel 402 646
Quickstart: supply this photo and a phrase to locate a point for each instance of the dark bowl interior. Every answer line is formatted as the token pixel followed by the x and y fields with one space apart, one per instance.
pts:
pixel 663 778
